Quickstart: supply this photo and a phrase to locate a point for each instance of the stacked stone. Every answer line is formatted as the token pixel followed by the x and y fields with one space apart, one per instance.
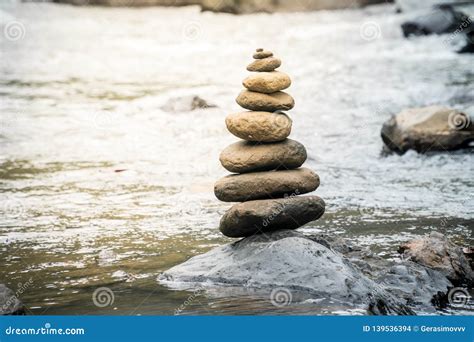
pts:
pixel 269 177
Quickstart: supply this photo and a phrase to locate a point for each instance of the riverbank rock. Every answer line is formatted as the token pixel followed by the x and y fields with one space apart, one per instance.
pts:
pixel 267 82
pixel 433 128
pixel 243 156
pixel 186 104
pixel 437 252
pixel 261 185
pixel 265 102
pixel 264 64
pixel 9 302
pixel 259 126
pixel 261 216
pixel 285 259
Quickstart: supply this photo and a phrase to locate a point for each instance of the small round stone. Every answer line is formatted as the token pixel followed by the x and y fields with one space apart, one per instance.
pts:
pixel 259 126
pixel 253 217
pixel 262 54
pixel 243 156
pixel 267 82
pixel 265 102
pixel 264 64
pixel 269 184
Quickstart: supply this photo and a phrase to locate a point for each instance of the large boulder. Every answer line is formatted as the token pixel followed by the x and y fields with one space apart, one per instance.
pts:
pixel 9 302
pixel 285 259
pixel 438 253
pixel 433 128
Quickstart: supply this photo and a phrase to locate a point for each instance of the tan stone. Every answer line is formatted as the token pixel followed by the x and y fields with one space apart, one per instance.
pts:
pixel 259 126
pixel 260 53
pixel 244 156
pixel 267 82
pixel 264 64
pixel 269 184
pixel 265 102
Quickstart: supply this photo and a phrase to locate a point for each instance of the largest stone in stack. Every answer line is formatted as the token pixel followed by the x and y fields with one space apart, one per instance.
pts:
pixel 269 177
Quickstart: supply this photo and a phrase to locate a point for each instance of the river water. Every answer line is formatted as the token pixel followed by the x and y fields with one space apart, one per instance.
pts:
pixel 101 187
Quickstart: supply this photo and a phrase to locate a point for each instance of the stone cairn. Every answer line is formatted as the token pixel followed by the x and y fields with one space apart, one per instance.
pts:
pixel 267 164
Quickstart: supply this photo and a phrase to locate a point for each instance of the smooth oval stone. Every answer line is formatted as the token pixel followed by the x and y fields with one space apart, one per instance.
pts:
pixel 259 126
pixel 264 64
pixel 244 156
pixel 253 217
pixel 267 82
pixel 260 53
pixel 269 184
pixel 265 102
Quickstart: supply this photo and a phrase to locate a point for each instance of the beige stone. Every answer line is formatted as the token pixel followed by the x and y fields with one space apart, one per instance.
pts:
pixel 259 126
pixel 260 53
pixel 267 82
pixel 269 184
pixel 243 156
pixel 264 64
pixel 265 102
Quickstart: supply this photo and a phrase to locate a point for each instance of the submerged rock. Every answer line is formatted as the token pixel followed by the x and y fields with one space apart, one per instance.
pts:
pixel 285 259
pixel 437 252
pixel 186 104
pixel 433 128
pixel 9 302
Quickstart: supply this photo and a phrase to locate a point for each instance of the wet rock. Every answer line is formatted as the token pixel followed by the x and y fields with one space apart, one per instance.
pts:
pixel 264 64
pixel 9 303
pixel 433 128
pixel 186 104
pixel 437 252
pixel 248 218
pixel 267 82
pixel 265 102
pixel 261 185
pixel 243 156
pixel 259 126
pixel 442 19
pixel 285 259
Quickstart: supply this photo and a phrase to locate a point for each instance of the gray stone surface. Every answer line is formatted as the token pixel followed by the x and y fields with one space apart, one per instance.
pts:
pixel 9 303
pixel 248 218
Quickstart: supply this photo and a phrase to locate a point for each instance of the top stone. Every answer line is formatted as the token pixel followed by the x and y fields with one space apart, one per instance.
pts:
pixel 261 53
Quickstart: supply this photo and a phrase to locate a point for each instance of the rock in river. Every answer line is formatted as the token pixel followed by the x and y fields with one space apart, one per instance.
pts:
pixel 265 102
pixel 252 217
pixel 244 156
pixel 270 184
pixel 9 303
pixel 437 252
pixel 265 64
pixel 427 129
pixel 259 126
pixel 267 82
pixel 285 259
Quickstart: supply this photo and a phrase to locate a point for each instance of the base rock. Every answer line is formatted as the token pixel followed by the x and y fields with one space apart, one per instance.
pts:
pixel 285 259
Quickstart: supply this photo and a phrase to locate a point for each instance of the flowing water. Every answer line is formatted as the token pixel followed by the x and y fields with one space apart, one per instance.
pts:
pixel 101 187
